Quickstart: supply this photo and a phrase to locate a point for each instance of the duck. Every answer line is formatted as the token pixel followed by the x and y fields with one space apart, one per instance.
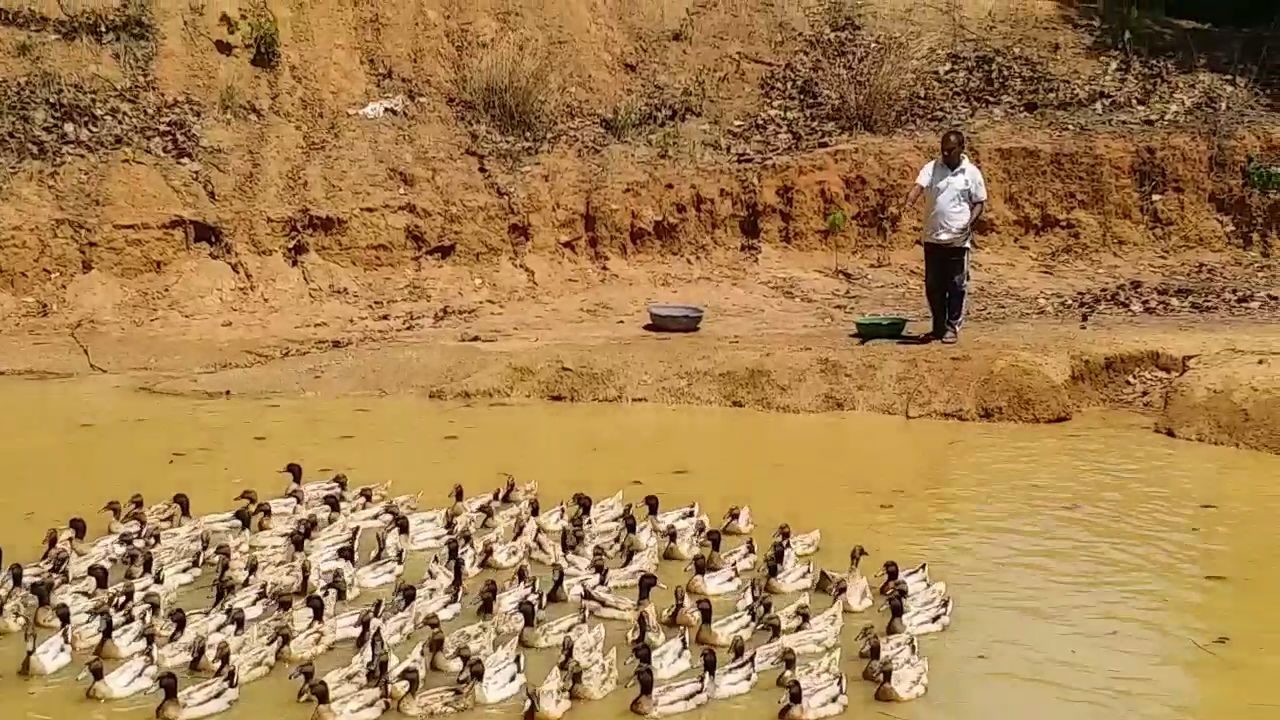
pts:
pixel 820 637
pixel 681 613
pixel 257 661
pixel 503 555
pixel 130 643
pixel 548 701
pixel 918 622
pixel 499 684
pixel 930 596
pixel 442 661
pixel 827 580
pixel 135 676
pixel 889 645
pixel 810 673
pixel 479 637
pixel 595 681
pixel 792 618
pixel 550 634
pixel 744 557
pixel 901 656
pixel 670 659
pixel 716 561
pixel 54 653
pixel 802 545
pixel 381 572
pixel 903 685
pixel 13 615
pixel 513 494
pixel 682 518
pixel 646 630
pixel 678 547
pixel 823 702
pixel 583 642
pixel 917 578
pixel 201 700
pixel 551 521
pixel 737 521
pixel 602 603
pixel 738 678
pixel 177 646
pixel 119 523
pixel 666 701
pixel 721 582
pixel 752 595
pixel 365 707
pixel 781 582
pixel 312 642
pixel 720 633
pixel 440 701
pixel 853 598
pixel 416 659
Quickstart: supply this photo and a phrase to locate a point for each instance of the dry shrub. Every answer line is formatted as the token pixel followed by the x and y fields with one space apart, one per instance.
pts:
pixel 656 104
pixel 871 86
pixel 510 85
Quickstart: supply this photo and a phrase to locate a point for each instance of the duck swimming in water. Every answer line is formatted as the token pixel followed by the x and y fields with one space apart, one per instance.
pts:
pixel 737 521
pixel 654 702
pixel 198 701
pixel 52 655
pixel 825 702
pixel 917 578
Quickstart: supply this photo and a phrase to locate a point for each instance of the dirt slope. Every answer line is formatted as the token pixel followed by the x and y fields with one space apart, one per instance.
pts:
pixel 174 171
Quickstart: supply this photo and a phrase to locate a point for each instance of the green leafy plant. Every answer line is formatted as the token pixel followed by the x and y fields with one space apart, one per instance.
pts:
pixel 1263 175
pixel 836 221
pixel 264 38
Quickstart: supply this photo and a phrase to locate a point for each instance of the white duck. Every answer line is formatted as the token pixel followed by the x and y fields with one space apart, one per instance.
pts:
pixel 197 701
pixel 802 545
pixel 917 578
pixel 548 701
pixel 497 684
pixel 670 659
pixel 721 582
pixel 780 582
pixel 823 701
pixel 52 655
pixel 135 676
pixel 737 521
pixel 902 685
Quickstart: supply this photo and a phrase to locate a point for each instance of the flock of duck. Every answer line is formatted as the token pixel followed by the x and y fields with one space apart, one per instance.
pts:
pixel 289 585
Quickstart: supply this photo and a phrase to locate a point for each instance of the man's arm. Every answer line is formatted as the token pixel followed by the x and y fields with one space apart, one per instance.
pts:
pixel 917 189
pixel 976 214
pixel 912 196
pixel 977 198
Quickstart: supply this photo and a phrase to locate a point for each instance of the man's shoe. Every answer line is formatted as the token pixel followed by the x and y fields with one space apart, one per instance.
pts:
pixel 950 338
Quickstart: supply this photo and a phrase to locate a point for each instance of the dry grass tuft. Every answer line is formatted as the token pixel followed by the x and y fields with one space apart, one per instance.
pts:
pixel 510 85
pixel 870 86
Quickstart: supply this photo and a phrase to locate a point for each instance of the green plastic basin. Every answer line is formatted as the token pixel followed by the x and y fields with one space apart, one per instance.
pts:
pixel 875 327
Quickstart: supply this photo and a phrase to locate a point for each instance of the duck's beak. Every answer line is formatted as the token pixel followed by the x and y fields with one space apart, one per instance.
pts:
pixel 879 573
pixel 84 673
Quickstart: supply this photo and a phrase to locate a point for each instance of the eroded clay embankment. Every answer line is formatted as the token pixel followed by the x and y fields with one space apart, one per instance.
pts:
pixel 140 224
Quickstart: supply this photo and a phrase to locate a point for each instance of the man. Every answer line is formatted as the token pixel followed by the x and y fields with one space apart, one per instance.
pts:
pixel 955 198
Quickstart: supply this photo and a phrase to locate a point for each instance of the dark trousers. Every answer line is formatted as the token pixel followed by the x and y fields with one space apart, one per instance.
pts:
pixel 946 277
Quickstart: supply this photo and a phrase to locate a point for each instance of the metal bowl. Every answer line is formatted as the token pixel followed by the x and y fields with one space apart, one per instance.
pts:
pixel 674 318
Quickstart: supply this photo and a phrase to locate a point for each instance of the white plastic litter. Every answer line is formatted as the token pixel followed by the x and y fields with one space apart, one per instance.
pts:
pixel 378 108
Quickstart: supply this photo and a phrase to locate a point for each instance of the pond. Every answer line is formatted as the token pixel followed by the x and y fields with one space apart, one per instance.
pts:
pixel 1098 570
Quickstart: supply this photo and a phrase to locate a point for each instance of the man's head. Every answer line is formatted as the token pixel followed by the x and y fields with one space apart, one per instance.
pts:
pixel 952 148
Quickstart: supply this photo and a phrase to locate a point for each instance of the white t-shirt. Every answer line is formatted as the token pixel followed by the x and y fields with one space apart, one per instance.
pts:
pixel 949 199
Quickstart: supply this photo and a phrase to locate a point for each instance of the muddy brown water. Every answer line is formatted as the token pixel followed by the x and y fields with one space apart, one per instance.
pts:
pixel 1099 571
